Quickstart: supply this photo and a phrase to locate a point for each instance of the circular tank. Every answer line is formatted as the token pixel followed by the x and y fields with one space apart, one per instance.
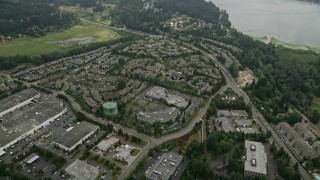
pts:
pixel 110 108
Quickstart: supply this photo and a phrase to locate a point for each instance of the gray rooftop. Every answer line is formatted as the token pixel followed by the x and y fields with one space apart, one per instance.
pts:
pixel 76 134
pixel 226 123
pixel 17 98
pixel 177 101
pixel 156 93
pixel 166 115
pixel 288 130
pixel 239 113
pixel 304 131
pixel 164 167
pixel 316 146
pixel 225 113
pixel 303 148
pixel 80 170
pixel 243 122
pixel 26 118
pixel 256 157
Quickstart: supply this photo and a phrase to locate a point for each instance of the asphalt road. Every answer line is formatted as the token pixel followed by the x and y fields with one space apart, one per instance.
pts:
pixel 257 115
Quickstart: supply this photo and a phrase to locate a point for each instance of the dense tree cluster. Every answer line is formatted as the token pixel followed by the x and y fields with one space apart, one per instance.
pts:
pixel 130 13
pixel 31 18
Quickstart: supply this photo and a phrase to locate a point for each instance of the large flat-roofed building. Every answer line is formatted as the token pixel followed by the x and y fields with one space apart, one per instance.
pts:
pixel 243 122
pixel 28 119
pixel 303 148
pixel 256 161
pixel 80 170
pixel 239 113
pixel 288 130
pixel 305 132
pixel 225 113
pixel 77 135
pixel 177 101
pixel 157 93
pixel 226 124
pixel 164 167
pixel 166 115
pixel 17 100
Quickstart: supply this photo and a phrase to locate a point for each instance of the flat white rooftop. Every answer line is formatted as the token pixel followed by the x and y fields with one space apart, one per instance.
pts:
pixel 256 157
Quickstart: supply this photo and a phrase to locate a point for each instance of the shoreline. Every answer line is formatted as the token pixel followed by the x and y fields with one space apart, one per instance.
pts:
pixel 271 39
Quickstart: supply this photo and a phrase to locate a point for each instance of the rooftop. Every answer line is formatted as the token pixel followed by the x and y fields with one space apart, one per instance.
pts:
pixel 162 116
pixel 165 166
pixel 76 134
pixel 288 130
pixel 17 98
pixel 177 101
pixel 303 148
pixel 156 93
pixel 28 117
pixel 226 113
pixel 256 157
pixel 105 145
pixel 80 170
pixel 239 113
pixel 31 158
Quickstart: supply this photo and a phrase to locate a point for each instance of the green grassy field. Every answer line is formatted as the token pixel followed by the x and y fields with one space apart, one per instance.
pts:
pixel 315 104
pixel 37 46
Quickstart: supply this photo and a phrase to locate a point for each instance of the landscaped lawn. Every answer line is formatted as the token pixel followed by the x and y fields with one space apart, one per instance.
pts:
pixel 37 46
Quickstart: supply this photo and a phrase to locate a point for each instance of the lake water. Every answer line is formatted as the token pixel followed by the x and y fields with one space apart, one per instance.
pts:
pixel 288 20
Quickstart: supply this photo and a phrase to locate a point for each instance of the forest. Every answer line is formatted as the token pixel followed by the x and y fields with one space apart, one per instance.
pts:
pixel 130 13
pixel 31 18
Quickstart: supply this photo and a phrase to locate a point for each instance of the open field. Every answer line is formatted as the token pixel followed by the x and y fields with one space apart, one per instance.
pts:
pixel 87 13
pixel 36 46
pixel 278 42
pixel 315 104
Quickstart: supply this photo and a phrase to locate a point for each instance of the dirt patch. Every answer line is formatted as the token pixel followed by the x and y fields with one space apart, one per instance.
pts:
pixel 68 42
pixel 246 77
pixel 184 141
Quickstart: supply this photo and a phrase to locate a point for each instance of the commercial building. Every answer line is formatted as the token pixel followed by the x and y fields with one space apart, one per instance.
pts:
pixel 239 113
pixel 106 145
pixel 243 123
pixel 156 93
pixel 166 115
pixel 316 146
pixel 226 124
pixel 27 120
pixel 256 161
pixel 160 93
pixel 176 101
pixel 80 170
pixel 304 131
pixel 164 167
pixel 303 148
pixel 31 158
pixel 288 130
pixel 76 136
pixel 18 100
pixel 225 113
pixel 123 152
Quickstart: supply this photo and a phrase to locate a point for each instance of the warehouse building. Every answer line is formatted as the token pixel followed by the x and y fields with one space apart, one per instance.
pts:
pixel 27 120
pixel 80 170
pixel 76 136
pixel 164 167
pixel 256 161
pixel 18 100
